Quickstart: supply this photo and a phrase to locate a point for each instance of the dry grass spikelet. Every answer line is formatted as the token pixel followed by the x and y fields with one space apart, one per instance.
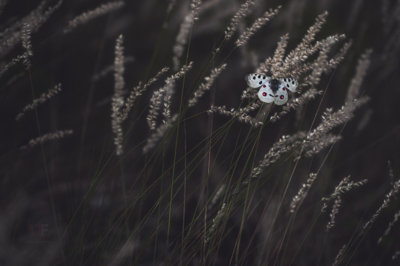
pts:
pixel 242 12
pixel 302 192
pixel 206 85
pixel 159 133
pixel 137 91
pixel 155 100
pixel 118 100
pixel 50 136
pixel 43 98
pixel 244 38
pixel 92 14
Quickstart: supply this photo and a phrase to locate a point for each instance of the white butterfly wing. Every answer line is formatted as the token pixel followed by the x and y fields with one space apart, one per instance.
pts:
pixel 289 83
pixel 266 94
pixel 256 80
pixel 281 96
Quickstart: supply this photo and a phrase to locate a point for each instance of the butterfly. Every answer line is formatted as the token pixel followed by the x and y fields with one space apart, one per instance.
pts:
pixel 272 90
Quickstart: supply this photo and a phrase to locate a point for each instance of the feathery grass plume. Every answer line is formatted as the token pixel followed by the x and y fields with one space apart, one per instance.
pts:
pixel 244 38
pixel 344 186
pixel 215 222
pixel 195 9
pixel 26 43
pixel 137 91
pixel 320 66
pixel 11 36
pixel 183 35
pixel 302 51
pixel 13 62
pixel 315 147
pixel 169 91
pixel 283 145
pixel 206 86
pixel 277 60
pixel 335 210
pixel 155 103
pixel 240 114
pixel 321 63
pixel 160 132
pixel 51 136
pixel 109 69
pixel 339 255
pixel 361 70
pixel 387 231
pixel 155 100
pixel 302 192
pixel 331 120
pixel 386 201
pixel 242 12
pixel 44 97
pixel 118 100
pixel 13 28
pixel 181 40
pixel 340 55
pixel 92 14
pixel 331 64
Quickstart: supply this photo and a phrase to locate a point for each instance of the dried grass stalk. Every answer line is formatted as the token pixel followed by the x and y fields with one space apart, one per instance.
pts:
pixel 118 100
pixel 244 38
pixel 240 115
pixel 302 192
pixel 26 43
pixel 339 255
pixel 242 12
pixel 51 136
pixel 183 35
pixel 137 91
pixel 44 97
pixel 361 71
pixel 155 100
pixel 206 86
pixel 13 62
pixel 12 36
pixel 92 14
pixel 386 201
pixel 160 132
pixel 335 210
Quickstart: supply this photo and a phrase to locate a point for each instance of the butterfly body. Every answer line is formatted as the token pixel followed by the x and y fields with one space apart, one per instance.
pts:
pixel 272 90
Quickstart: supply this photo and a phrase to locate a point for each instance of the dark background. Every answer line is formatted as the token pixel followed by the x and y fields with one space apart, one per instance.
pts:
pixel 84 106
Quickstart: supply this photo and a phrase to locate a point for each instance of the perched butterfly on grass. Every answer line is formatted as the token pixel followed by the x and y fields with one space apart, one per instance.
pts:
pixel 272 90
